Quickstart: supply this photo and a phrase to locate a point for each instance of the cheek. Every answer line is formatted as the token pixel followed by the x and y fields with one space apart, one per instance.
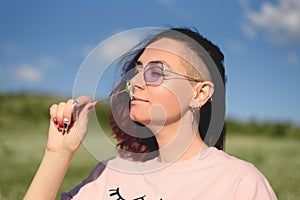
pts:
pixel 180 93
pixel 174 98
pixel 168 102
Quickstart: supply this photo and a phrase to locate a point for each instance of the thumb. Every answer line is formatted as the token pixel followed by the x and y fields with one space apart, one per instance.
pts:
pixel 84 113
pixel 81 115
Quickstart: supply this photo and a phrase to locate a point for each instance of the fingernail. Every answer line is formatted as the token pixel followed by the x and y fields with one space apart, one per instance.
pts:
pixel 60 124
pixel 93 105
pixel 66 125
pixel 55 122
pixel 66 120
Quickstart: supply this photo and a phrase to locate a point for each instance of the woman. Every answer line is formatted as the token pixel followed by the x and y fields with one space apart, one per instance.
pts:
pixel 162 153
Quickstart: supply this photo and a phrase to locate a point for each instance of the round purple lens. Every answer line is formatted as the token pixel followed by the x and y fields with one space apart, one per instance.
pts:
pixel 153 74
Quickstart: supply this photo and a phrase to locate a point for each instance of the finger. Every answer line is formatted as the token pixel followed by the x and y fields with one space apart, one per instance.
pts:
pixel 53 110
pixel 60 114
pixel 53 118
pixel 85 112
pixel 81 102
pixel 88 107
pixel 68 109
pixel 67 114
pixel 83 119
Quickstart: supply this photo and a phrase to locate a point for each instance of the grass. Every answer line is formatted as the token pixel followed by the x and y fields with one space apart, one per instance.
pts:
pixel 21 152
pixel 23 136
pixel 277 158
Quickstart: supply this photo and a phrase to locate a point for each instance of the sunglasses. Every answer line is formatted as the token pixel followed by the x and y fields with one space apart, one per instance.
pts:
pixel 153 73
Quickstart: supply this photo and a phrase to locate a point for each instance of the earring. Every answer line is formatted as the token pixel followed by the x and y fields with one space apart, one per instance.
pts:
pixel 194 110
pixel 193 114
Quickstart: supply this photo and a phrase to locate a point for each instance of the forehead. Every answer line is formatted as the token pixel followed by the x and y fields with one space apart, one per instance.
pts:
pixel 165 49
pixel 178 55
pixel 167 46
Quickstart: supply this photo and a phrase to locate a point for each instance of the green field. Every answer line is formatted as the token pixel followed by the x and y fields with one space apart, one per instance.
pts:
pixel 23 135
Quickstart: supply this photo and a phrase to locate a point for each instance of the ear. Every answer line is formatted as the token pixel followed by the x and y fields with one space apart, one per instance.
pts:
pixel 203 91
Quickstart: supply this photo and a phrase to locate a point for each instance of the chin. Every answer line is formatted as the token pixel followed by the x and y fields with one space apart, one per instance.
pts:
pixel 140 119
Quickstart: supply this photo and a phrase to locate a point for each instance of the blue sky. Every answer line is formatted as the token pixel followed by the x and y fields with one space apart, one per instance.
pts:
pixel 43 43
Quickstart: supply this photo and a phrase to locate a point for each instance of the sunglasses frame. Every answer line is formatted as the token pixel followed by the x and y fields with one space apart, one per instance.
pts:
pixel 164 67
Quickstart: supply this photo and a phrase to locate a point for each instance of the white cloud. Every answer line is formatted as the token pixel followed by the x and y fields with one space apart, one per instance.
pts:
pixel 28 73
pixel 281 22
pixel 116 46
pixel 249 30
pixel 32 73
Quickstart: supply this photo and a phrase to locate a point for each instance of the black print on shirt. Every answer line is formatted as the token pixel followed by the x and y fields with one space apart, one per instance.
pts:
pixel 116 192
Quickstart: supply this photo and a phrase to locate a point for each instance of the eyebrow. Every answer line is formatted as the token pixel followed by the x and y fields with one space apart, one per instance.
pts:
pixel 162 61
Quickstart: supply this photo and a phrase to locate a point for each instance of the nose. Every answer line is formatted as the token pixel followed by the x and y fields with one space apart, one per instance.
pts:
pixel 138 81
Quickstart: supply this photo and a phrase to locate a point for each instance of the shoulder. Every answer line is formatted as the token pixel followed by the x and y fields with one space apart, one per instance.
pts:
pixel 232 163
pixel 249 181
pixel 241 168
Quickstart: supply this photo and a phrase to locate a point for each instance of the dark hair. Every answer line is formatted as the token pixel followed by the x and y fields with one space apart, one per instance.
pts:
pixel 137 148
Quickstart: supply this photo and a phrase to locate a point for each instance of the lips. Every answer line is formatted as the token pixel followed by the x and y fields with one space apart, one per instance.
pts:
pixel 137 99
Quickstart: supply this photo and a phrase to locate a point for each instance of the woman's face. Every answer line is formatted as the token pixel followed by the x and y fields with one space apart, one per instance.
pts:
pixel 169 101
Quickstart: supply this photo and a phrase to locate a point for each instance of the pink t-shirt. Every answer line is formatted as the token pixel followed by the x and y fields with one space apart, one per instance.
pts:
pixel 211 175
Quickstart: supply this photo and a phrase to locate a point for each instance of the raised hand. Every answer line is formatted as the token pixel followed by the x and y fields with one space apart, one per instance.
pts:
pixel 69 124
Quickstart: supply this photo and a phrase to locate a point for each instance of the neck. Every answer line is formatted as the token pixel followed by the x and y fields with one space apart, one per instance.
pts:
pixel 178 141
